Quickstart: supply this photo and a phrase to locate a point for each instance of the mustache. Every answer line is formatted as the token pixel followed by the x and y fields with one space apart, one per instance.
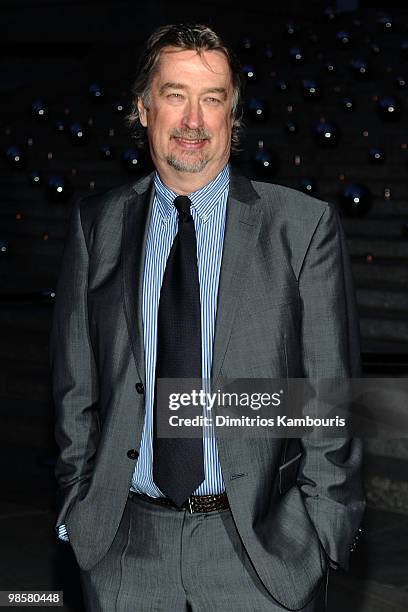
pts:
pixel 198 134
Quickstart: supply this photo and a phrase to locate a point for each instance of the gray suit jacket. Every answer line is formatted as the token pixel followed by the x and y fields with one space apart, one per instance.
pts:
pixel 286 308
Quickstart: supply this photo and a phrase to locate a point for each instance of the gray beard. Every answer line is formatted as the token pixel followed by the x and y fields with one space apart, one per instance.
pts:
pixel 185 165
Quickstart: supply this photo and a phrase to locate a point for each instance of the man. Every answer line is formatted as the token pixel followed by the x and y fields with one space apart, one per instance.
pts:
pixel 197 271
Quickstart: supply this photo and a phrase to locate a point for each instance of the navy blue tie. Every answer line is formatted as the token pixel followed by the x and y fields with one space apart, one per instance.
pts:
pixel 178 463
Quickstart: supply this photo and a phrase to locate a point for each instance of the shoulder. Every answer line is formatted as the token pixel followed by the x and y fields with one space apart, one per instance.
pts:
pixel 289 201
pixel 295 210
pixel 109 204
pixel 294 219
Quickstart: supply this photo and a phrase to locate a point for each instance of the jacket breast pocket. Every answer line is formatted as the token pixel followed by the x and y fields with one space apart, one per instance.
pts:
pixel 288 473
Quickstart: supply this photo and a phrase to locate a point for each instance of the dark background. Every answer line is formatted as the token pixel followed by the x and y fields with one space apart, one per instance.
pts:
pixel 51 52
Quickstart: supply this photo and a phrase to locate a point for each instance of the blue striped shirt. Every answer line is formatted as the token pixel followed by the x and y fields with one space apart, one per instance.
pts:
pixel 208 210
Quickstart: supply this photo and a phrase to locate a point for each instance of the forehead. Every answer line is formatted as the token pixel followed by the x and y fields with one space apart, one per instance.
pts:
pixel 207 67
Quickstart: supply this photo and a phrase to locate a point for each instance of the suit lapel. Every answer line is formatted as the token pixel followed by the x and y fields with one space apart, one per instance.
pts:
pixel 136 219
pixel 243 221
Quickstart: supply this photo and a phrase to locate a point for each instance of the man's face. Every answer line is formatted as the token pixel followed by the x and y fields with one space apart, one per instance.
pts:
pixel 188 118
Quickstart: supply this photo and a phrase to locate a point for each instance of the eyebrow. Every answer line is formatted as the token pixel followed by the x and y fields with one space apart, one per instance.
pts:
pixel 174 85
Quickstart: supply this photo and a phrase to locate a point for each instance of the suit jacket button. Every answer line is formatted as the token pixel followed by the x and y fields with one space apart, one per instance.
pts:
pixel 132 453
pixel 139 388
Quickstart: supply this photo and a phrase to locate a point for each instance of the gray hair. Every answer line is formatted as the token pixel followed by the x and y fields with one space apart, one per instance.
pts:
pixel 196 37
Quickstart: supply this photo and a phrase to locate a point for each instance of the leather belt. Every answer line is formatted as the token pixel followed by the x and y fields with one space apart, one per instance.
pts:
pixel 195 503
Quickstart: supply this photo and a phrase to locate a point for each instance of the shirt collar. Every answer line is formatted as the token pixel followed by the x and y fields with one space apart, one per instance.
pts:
pixel 203 200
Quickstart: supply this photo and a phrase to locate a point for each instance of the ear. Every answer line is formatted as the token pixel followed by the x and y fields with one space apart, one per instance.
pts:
pixel 142 112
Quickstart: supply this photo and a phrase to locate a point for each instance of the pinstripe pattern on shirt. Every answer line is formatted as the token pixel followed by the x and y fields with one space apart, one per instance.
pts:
pixel 208 210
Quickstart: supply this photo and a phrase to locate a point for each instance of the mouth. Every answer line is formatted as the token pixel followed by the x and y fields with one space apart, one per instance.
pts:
pixel 187 143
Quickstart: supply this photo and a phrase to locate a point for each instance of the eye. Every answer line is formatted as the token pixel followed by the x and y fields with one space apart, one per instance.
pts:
pixel 175 96
pixel 214 100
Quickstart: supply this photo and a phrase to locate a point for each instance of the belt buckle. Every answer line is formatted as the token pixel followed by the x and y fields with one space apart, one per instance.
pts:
pixel 190 505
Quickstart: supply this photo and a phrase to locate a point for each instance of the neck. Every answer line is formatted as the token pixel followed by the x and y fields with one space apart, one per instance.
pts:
pixel 184 183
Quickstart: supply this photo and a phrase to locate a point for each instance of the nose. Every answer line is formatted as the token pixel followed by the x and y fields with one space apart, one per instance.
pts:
pixel 193 117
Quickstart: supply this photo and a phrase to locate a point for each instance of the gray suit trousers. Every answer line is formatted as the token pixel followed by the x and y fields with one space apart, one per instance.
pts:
pixel 165 560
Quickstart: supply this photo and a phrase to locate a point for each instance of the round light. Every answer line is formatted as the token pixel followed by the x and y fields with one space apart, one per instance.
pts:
pixel 95 92
pixel 281 85
pixel 296 55
pixel 360 68
pixel 35 178
pixel 376 155
pixel 330 14
pixel 355 200
pixel 330 66
pixel 400 81
pixel 39 111
pixel 343 38
pixel 15 157
pixel 348 104
pixel 291 29
pixel 257 110
pixel 58 189
pixel 106 152
pixel 119 107
pixel 78 134
pixel 385 23
pixel 326 134
pixel 249 73
pixel 291 127
pixel 247 45
pixel 4 248
pixel 133 161
pixel 265 163
pixel 389 108
pixel 310 89
pixel 308 185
